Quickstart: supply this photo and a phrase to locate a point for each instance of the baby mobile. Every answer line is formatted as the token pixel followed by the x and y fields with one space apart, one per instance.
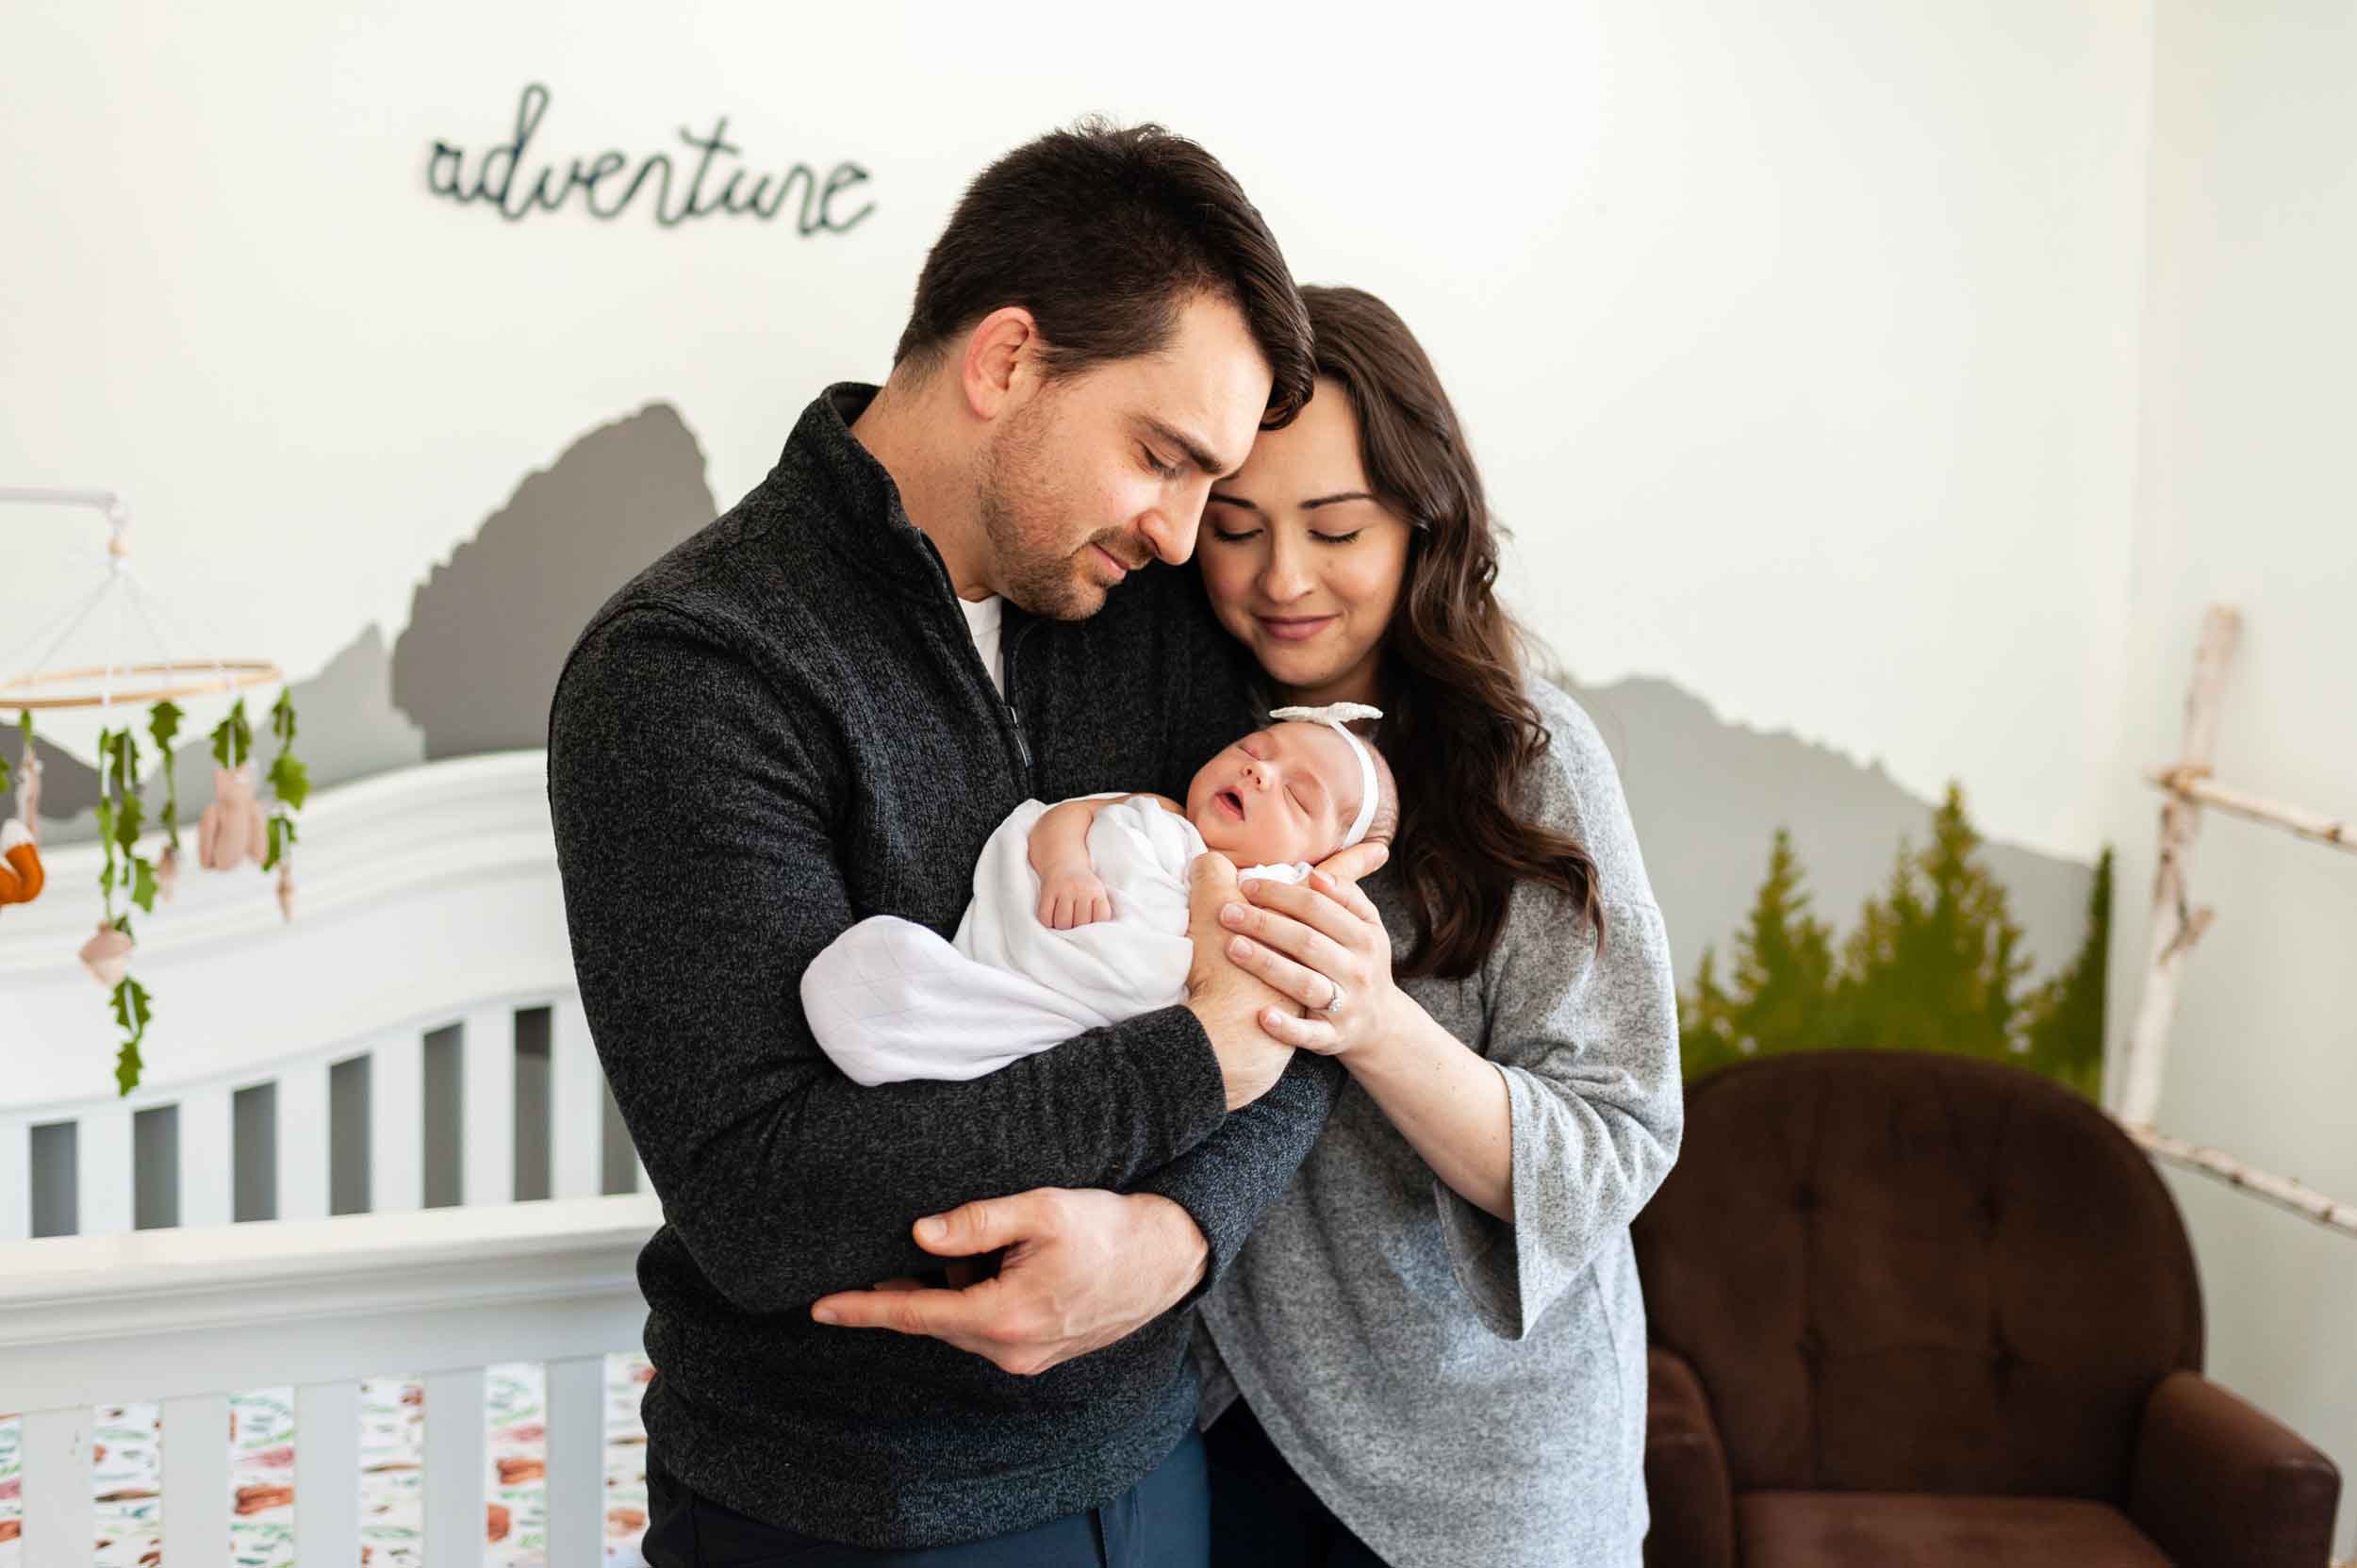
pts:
pixel 233 831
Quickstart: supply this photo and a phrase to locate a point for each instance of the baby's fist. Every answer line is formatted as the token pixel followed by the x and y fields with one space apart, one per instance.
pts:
pixel 1069 898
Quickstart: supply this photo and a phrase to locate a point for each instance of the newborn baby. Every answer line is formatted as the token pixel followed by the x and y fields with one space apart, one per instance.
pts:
pixel 1079 910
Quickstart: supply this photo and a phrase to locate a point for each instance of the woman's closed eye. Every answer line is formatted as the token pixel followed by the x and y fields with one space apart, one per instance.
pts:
pixel 1226 537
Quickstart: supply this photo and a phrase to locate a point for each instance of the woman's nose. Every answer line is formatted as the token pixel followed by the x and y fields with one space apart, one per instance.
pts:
pixel 1284 578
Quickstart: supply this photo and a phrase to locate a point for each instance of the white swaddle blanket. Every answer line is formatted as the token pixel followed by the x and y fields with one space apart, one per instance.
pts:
pixel 889 999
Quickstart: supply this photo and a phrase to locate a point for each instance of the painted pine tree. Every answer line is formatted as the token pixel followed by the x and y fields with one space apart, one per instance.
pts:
pixel 1935 963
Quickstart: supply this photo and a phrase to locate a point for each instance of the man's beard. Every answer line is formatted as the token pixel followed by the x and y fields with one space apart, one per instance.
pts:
pixel 1008 494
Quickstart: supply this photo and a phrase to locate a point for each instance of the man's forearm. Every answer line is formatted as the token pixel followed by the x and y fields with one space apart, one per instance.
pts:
pixel 1226 1182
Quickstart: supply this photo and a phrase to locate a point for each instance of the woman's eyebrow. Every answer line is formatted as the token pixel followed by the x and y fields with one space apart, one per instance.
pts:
pixel 1228 498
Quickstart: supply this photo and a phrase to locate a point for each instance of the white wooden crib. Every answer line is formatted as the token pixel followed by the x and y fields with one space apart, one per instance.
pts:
pixel 375 1139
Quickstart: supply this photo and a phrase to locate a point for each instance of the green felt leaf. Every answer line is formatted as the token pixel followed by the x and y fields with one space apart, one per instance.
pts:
pixel 163 723
pixel 127 823
pixel 289 780
pixel 143 884
pixel 282 839
pixel 233 737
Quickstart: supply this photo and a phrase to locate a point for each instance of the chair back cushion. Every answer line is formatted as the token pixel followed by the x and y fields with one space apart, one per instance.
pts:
pixel 1897 1271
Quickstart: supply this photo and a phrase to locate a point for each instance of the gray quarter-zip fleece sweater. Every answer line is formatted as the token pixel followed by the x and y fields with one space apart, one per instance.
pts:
pixel 778 728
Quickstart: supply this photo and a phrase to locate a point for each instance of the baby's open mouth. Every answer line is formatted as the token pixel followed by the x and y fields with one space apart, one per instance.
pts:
pixel 1231 802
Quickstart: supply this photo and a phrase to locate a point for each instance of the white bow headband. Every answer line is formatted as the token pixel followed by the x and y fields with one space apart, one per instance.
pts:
pixel 1334 714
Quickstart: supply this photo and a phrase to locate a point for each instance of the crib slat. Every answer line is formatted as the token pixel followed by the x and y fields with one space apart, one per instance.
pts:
pixel 576 1113
pixel 456 1457
pixel 60 1519
pixel 16 1181
pixel 102 1171
pixel 576 1477
pixel 327 1472
pixel 302 1141
pixel 196 1480
pixel 396 1113
pixel 207 1162
pixel 487 1105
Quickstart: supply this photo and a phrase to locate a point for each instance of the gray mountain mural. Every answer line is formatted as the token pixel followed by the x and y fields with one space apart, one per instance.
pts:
pixel 475 668
pixel 1706 796
pixel 489 629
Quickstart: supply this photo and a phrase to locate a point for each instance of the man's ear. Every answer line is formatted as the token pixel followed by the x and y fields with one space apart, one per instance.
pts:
pixel 1000 366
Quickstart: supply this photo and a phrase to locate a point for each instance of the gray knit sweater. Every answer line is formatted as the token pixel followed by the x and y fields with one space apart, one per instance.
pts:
pixel 777 729
pixel 1457 1389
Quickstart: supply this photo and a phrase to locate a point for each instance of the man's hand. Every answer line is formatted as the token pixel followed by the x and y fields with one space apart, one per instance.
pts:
pixel 1082 1268
pixel 1226 999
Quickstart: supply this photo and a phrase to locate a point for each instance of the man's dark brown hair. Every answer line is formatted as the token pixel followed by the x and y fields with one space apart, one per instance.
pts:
pixel 1102 233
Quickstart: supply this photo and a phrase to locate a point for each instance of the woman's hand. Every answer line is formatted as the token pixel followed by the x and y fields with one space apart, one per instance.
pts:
pixel 1315 943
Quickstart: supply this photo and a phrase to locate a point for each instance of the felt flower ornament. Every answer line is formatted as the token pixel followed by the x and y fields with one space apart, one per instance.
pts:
pixel 108 954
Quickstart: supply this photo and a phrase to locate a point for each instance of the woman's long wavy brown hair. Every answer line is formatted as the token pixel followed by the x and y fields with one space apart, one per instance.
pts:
pixel 1457 727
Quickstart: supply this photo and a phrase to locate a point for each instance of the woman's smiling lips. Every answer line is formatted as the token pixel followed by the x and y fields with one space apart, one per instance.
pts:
pixel 1294 628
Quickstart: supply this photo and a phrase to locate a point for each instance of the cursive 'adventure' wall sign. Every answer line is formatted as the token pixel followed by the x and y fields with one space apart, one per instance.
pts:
pixel 497 179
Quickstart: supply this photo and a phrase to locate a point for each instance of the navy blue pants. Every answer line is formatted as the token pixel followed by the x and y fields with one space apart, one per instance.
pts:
pixel 1160 1522
pixel 1262 1514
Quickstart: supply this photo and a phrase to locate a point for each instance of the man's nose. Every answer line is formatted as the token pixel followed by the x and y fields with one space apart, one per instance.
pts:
pixel 1171 538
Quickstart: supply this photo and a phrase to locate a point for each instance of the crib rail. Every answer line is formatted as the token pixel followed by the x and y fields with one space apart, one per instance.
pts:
pixel 411 1041
pixel 189 1313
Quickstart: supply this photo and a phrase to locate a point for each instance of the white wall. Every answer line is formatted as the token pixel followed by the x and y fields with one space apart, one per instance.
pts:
pixel 2244 496
pixel 1796 349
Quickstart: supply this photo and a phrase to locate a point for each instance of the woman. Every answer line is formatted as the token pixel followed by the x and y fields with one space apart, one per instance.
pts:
pixel 1432 1350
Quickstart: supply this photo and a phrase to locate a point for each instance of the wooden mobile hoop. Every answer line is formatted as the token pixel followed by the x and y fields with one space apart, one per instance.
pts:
pixel 54 688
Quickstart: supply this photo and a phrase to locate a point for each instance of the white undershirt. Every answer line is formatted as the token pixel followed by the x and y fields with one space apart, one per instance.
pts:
pixel 982 618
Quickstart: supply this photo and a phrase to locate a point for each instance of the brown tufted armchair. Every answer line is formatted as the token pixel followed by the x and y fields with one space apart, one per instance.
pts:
pixel 1910 1310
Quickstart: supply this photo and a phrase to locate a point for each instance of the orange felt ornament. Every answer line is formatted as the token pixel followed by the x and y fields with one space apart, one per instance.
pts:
pixel 21 875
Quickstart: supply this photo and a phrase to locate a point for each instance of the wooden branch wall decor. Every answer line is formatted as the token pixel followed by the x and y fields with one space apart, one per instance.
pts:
pixel 2177 926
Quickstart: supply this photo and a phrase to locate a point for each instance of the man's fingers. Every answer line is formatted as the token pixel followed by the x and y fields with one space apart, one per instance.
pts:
pixel 1360 860
pixel 985 1225
pixel 1210 871
pixel 950 1315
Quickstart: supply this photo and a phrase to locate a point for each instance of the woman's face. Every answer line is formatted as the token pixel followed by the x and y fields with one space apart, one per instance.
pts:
pixel 1303 565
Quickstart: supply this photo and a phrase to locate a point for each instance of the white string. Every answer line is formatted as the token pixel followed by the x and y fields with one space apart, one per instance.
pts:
pixel 181 632
pixel 79 616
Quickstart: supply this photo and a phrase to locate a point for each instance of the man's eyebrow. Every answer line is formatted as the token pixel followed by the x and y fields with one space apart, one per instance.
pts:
pixel 1191 448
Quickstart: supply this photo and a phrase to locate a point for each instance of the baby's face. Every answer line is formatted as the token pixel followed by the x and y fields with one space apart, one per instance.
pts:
pixel 1280 794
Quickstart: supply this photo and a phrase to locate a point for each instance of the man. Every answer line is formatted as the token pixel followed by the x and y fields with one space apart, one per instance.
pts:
pixel 815 709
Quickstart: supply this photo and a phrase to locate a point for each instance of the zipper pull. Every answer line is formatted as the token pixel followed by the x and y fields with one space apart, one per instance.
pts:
pixel 1021 745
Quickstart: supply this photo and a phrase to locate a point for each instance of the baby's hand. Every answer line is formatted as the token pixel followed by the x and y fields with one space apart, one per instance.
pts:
pixel 1072 898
